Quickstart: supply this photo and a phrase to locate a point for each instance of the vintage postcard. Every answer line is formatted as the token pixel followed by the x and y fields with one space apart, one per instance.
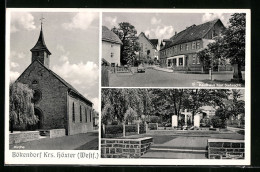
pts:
pixel 128 86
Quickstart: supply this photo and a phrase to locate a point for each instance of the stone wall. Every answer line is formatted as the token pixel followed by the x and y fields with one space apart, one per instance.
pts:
pixel 57 133
pixel 23 136
pixel 125 148
pixel 226 149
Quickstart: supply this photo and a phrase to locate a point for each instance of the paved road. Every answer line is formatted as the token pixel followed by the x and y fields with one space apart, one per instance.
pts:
pixel 155 78
pixel 84 141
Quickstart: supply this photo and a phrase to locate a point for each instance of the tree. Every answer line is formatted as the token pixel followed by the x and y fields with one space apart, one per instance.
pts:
pixel 230 45
pixel 130 115
pixel 21 106
pixel 234 43
pixel 237 106
pixel 127 34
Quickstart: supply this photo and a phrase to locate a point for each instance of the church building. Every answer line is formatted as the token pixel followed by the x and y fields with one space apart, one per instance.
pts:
pixel 56 103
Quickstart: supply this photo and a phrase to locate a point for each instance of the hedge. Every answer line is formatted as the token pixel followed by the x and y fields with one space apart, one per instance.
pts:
pixel 152 126
pixel 142 129
pixel 114 129
pixel 131 128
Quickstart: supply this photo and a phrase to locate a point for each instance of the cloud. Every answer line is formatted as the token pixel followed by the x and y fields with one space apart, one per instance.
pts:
pixel 14 65
pixel 212 16
pixel 15 54
pixel 14 75
pixel 161 32
pixel 22 20
pixel 111 20
pixel 60 48
pixel 81 21
pixel 156 21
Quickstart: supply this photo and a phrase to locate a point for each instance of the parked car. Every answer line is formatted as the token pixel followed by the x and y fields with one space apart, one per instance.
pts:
pixel 141 68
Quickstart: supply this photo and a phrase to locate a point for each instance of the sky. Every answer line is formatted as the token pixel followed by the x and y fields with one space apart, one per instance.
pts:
pixel 71 37
pixel 161 25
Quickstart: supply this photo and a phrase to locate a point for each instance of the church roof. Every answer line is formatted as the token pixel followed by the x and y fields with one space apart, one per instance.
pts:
pixel 192 33
pixel 40 44
pixel 109 36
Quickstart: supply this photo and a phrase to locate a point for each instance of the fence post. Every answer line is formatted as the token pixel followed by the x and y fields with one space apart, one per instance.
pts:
pixel 123 130
pixel 138 128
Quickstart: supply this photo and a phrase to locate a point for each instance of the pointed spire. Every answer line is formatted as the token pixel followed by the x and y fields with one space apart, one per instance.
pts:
pixel 40 45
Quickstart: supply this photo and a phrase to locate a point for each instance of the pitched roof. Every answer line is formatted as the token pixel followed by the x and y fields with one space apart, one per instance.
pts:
pixel 70 87
pixel 109 36
pixel 191 33
pixel 153 42
pixel 40 44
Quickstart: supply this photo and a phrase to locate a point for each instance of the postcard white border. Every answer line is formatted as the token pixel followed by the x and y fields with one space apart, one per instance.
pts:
pixel 9 160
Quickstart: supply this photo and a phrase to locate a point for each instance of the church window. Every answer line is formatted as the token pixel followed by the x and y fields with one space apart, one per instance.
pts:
pixel 80 114
pixel 90 115
pixel 86 115
pixel 73 112
pixel 37 95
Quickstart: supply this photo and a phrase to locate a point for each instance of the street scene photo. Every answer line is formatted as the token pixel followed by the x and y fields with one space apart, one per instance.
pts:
pixel 54 80
pixel 173 123
pixel 173 49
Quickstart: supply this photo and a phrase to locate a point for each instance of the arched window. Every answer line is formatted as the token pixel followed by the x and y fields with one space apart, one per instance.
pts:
pixel 89 115
pixel 86 115
pixel 80 114
pixel 73 112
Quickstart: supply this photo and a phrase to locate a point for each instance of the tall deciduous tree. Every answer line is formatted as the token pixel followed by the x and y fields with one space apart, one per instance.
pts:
pixel 21 106
pixel 127 34
pixel 234 43
pixel 230 45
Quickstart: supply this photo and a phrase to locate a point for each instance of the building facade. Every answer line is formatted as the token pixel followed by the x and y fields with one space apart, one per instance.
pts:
pixel 111 47
pixel 148 47
pixel 56 103
pixel 180 51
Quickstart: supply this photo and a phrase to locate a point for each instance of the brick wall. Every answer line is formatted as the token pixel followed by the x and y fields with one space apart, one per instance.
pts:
pixel 54 95
pixel 226 149
pixel 23 137
pixel 77 126
pixel 125 148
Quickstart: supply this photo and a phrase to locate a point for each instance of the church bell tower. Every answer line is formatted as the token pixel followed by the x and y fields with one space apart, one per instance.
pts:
pixel 40 51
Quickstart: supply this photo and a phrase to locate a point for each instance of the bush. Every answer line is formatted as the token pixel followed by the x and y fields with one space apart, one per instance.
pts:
pixel 205 122
pixel 217 122
pixel 152 126
pixel 114 123
pixel 142 128
pixel 114 129
pixel 130 128
pixel 154 119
